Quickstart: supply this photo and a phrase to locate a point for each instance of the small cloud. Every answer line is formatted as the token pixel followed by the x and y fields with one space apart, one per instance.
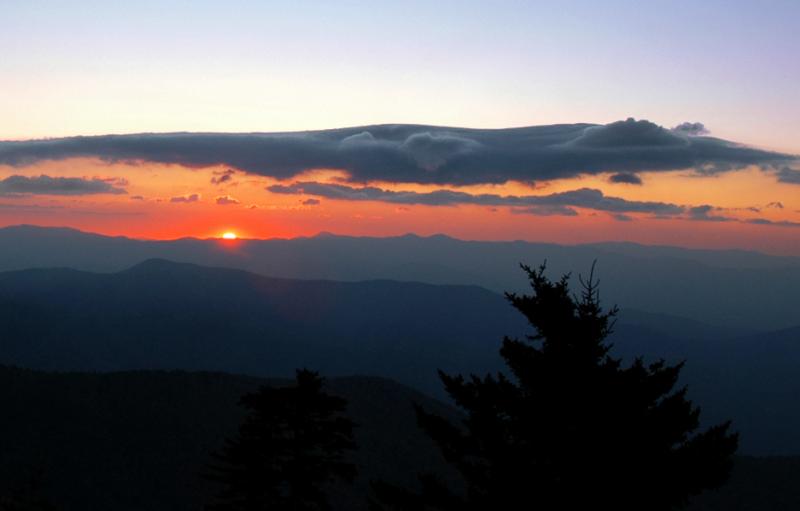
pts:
pixel 222 176
pixel 776 205
pixel 224 200
pixel 626 178
pixel 311 202
pixel 137 197
pixel 195 197
pixel 691 128
pixel 705 213
pixel 621 217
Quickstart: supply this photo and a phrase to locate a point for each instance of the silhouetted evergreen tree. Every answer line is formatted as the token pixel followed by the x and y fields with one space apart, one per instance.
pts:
pixel 290 445
pixel 571 428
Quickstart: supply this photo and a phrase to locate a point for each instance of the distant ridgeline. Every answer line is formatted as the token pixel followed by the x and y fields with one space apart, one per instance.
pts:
pixel 733 289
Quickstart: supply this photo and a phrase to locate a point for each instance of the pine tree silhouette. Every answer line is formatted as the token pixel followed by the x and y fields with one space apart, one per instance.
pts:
pixel 290 445
pixel 571 428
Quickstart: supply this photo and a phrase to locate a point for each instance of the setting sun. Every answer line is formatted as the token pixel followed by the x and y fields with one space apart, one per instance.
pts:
pixel 229 236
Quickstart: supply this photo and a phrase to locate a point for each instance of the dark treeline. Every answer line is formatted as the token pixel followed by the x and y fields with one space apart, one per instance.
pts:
pixel 569 428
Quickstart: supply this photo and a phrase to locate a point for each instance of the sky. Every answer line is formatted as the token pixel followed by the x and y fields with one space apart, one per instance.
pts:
pixel 677 122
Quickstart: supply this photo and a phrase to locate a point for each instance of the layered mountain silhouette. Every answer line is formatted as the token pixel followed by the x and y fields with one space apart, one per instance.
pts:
pixel 734 289
pixel 165 315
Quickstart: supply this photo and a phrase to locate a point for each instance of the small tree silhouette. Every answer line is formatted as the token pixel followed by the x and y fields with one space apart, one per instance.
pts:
pixel 571 428
pixel 290 445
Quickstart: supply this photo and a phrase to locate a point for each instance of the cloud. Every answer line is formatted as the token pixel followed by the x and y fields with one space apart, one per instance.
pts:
pixel 421 154
pixel 555 203
pixel 778 223
pixel 545 211
pixel 622 217
pixel 17 185
pixel 776 205
pixel 706 213
pixel 432 151
pixel 311 202
pixel 789 175
pixel 186 198
pixel 223 176
pixel 224 200
pixel 137 197
pixel 691 129
pixel 62 211
pixel 625 177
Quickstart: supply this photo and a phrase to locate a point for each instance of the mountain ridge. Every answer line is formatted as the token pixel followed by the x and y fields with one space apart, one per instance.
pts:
pixel 742 290
pixel 165 315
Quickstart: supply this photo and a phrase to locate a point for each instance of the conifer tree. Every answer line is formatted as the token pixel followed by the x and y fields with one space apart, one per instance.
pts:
pixel 570 427
pixel 292 443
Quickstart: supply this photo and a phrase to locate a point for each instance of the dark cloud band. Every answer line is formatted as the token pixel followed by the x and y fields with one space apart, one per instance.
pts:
pixel 47 185
pixel 421 154
pixel 625 178
pixel 553 204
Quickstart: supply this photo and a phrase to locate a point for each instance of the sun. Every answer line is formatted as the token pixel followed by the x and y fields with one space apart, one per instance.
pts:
pixel 229 236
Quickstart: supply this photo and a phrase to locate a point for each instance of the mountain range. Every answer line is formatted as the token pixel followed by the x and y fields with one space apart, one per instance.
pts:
pixel 166 315
pixel 742 291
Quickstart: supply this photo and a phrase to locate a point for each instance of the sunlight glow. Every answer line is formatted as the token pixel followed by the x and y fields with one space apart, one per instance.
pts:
pixel 229 236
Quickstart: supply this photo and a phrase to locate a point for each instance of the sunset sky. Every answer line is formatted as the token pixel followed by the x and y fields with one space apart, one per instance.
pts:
pixel 667 123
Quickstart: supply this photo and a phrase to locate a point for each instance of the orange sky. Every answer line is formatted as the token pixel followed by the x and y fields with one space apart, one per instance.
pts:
pixel 146 211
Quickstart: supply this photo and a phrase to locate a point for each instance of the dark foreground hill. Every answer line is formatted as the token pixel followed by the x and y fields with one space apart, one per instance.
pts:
pixel 140 440
pixel 162 315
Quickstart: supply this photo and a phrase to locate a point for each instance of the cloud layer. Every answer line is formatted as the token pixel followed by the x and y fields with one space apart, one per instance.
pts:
pixel 424 154
pixel 47 185
pixel 553 204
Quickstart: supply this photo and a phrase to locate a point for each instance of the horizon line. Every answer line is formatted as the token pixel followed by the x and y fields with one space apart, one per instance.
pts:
pixel 323 234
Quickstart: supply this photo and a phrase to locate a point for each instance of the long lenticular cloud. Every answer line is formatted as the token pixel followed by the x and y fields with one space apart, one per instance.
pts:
pixel 425 154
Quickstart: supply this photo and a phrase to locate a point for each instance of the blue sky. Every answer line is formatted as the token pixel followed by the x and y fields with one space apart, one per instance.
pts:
pixel 99 67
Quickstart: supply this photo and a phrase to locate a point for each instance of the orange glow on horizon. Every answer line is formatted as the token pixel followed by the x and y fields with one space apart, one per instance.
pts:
pixel 171 201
